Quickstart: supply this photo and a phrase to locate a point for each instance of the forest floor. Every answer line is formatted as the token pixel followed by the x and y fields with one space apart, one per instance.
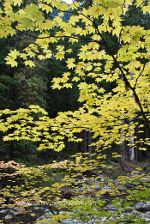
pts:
pixel 84 189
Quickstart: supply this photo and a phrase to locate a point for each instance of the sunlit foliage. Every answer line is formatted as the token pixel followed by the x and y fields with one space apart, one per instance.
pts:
pixel 111 116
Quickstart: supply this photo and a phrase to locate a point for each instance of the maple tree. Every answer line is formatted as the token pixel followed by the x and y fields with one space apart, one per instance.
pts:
pixel 111 116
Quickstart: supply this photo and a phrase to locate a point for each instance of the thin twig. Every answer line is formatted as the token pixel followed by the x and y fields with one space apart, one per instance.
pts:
pixel 139 75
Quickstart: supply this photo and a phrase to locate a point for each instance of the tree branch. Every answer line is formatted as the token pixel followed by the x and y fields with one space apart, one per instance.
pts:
pixel 126 81
pixel 139 75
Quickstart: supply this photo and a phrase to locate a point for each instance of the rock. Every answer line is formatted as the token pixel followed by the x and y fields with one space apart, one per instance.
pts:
pixel 47 219
pixel 104 219
pixel 37 208
pixel 19 211
pixel 23 203
pixel 135 212
pixel 143 206
pixel 40 208
pixel 7 217
pixel 147 214
pixel 139 205
pixel 102 179
pixel 69 221
pixel 110 208
pixel 14 213
pixel 3 211
pixel 16 208
pixel 47 210
pixel 97 186
pixel 46 215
